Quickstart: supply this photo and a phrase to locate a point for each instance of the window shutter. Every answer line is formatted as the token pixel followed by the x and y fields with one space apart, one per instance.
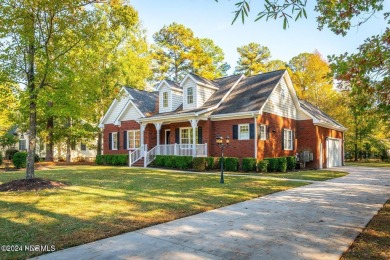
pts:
pixel 251 131
pixel 267 132
pixel 117 135
pixel 293 139
pixel 235 131
pixel 125 140
pixel 177 135
pixel 283 139
pixel 200 137
pixel 110 141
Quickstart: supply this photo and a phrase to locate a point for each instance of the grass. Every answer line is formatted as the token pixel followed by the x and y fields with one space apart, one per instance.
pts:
pixel 105 201
pixel 368 164
pixel 314 175
pixel 374 241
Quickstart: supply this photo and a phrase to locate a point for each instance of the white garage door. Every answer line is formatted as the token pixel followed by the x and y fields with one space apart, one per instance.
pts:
pixel 333 152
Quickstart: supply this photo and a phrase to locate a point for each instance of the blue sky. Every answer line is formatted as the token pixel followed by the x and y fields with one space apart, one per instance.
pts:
pixel 209 19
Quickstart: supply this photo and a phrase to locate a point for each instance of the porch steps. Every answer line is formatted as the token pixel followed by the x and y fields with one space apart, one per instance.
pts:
pixel 139 163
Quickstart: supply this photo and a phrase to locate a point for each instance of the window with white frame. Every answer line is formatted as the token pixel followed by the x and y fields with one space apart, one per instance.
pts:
pixel 22 145
pixel 287 139
pixel 83 147
pixel 243 132
pixel 165 99
pixel 186 135
pixel 190 95
pixel 133 139
pixel 262 132
pixel 114 141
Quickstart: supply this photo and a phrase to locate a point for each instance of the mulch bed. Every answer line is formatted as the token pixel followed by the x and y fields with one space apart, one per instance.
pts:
pixel 30 184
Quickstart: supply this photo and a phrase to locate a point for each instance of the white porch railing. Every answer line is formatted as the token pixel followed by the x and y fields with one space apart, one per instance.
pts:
pixel 137 154
pixel 174 149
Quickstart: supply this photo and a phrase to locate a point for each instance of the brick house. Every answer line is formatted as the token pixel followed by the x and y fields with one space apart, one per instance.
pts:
pixel 261 114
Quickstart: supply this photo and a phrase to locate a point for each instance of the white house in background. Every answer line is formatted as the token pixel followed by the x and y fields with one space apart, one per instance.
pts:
pixel 80 151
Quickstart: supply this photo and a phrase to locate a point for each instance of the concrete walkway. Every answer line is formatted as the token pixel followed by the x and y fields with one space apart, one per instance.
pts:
pixel 317 221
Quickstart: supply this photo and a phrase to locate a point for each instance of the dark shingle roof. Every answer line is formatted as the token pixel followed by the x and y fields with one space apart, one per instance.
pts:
pixel 224 85
pixel 251 93
pixel 318 114
pixel 173 84
pixel 145 101
pixel 13 130
pixel 202 80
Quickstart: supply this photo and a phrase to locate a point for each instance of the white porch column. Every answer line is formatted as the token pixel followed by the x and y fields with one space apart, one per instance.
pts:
pixel 143 126
pixel 158 128
pixel 194 124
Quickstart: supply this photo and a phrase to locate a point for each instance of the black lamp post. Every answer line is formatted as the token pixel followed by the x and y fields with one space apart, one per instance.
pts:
pixel 222 145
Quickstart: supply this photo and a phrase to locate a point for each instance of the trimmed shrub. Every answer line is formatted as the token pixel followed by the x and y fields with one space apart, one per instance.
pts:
pixel 20 159
pixel 184 162
pixel 272 164
pixel 199 164
pixel 248 164
pixel 10 153
pixel 231 164
pixel 209 163
pixel 99 159
pixel 122 159
pixel 170 161
pixel 1 159
pixel 262 166
pixel 160 160
pixel 282 164
pixel 291 162
pixel 108 159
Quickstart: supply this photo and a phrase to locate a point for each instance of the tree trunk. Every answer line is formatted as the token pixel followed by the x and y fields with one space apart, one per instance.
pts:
pixel 33 98
pixel 68 150
pixel 49 139
pixel 68 142
pixel 99 142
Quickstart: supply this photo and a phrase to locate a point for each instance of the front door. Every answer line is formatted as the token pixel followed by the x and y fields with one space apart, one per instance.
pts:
pixel 167 136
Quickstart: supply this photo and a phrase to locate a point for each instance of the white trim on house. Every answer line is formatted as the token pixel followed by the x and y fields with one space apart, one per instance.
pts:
pixel 233 116
pixel 197 82
pixel 165 82
pixel 333 127
pixel 101 124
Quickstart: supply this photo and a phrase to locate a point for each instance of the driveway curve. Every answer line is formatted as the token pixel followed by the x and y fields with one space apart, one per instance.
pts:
pixel 317 221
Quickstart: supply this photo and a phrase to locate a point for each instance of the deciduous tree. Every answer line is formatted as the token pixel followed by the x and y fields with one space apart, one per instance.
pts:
pixel 253 59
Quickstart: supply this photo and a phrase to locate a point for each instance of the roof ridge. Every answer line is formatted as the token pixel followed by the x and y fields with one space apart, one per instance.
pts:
pixel 263 73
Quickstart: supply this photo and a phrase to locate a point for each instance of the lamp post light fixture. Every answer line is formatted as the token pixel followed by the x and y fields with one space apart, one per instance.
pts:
pixel 222 145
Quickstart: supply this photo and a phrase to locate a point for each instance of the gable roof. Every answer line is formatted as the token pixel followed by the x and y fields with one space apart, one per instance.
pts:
pixel 173 84
pixel 251 93
pixel 224 86
pixel 319 115
pixel 170 83
pixel 144 100
pixel 202 80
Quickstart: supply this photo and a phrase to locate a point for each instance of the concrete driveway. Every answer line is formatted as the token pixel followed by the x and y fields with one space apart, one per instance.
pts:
pixel 317 221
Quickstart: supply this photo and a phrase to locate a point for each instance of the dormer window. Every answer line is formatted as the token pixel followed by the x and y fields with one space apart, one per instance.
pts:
pixel 165 99
pixel 190 95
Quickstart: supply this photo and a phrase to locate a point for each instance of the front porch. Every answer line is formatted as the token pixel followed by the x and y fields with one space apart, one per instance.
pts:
pixel 187 139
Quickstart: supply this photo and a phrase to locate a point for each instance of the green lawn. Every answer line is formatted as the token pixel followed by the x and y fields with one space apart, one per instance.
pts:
pixel 314 175
pixel 368 164
pixel 105 201
pixel 374 241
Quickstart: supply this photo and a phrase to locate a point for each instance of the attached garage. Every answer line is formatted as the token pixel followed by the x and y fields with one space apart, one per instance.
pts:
pixel 334 152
